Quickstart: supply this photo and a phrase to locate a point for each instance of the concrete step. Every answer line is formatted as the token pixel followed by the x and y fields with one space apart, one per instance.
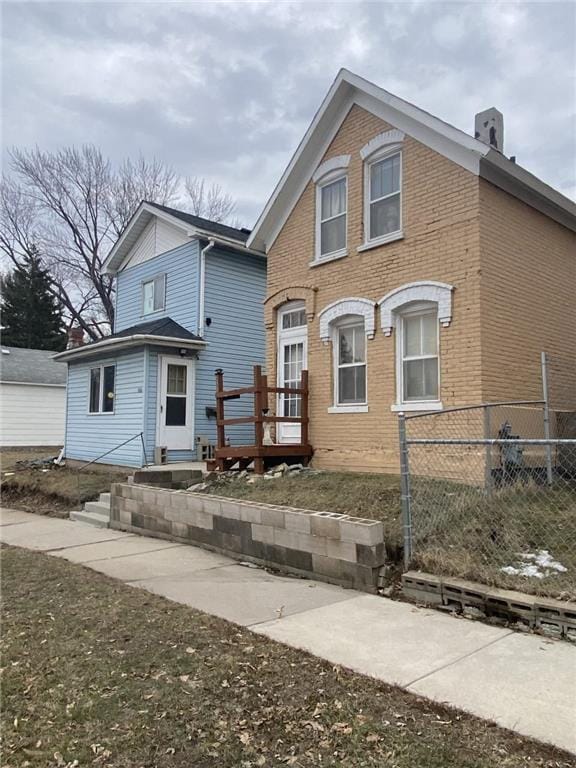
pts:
pixel 105 498
pixel 97 519
pixel 98 508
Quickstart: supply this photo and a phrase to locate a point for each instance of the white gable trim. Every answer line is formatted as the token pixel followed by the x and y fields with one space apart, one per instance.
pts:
pixel 424 290
pixel 352 306
pixel 333 164
pixel 349 89
pixel 379 142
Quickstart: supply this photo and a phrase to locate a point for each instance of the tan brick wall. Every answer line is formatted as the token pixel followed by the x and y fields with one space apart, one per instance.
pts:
pixel 441 242
pixel 528 306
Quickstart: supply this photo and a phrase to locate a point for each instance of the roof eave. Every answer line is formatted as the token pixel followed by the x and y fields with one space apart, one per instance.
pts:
pixel 125 342
pixel 517 181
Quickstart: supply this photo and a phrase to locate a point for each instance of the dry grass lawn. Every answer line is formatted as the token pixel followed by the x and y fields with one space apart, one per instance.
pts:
pixel 55 491
pixel 97 673
pixel 458 531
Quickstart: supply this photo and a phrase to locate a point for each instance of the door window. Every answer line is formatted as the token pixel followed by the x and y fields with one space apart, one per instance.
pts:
pixel 176 387
pixel 293 364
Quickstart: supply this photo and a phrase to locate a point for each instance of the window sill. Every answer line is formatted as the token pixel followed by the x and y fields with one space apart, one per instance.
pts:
pixel 155 312
pixel 330 257
pixel 432 405
pixel 348 409
pixel 391 238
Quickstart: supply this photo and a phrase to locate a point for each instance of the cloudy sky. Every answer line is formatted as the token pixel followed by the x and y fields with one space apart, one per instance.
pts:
pixel 225 90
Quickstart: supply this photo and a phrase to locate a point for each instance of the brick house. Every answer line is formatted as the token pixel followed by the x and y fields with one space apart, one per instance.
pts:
pixel 410 267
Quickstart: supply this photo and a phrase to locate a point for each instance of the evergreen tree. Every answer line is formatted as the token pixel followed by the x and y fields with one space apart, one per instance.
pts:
pixel 31 316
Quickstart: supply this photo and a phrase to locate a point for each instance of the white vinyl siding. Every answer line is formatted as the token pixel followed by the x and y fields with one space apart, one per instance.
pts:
pixel 32 415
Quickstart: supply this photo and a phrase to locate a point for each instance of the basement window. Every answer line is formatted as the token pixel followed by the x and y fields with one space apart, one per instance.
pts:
pixel 102 384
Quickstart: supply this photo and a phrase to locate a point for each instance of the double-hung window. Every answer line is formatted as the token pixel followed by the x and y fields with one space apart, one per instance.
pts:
pixel 419 361
pixel 331 218
pixel 383 204
pixel 153 294
pixel 350 364
pixel 102 383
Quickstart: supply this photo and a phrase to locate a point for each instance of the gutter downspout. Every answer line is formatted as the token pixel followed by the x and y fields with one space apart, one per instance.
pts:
pixel 202 279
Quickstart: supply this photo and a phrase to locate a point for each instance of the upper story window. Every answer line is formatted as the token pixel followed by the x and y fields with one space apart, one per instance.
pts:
pixel 331 208
pixel 384 214
pixel 154 294
pixel 333 215
pixel 382 188
pixel 102 383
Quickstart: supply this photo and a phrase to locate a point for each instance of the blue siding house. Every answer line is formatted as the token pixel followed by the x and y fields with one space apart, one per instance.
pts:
pixel 189 300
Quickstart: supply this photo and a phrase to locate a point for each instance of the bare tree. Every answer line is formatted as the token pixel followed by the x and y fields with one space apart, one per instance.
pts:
pixel 210 202
pixel 70 206
pixel 136 181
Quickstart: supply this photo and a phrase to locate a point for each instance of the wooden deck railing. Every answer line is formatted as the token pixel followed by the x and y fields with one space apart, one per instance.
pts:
pixel 261 416
pixel 260 390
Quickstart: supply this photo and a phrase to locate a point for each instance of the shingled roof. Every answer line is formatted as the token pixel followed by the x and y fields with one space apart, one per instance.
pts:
pixel 31 366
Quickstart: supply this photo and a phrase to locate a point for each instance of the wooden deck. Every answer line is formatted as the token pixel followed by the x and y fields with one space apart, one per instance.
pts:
pixel 262 453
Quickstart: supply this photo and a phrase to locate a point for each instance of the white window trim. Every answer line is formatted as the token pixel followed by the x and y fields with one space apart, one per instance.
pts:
pixel 152 280
pixel 349 306
pixel 422 291
pixel 100 388
pixel 329 178
pixel 346 407
pixel 381 154
pixel 285 309
pixel 414 405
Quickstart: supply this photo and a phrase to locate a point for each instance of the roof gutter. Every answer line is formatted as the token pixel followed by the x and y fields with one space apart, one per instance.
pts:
pixel 127 341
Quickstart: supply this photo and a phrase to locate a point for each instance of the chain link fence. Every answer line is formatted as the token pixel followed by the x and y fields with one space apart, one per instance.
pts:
pixel 489 494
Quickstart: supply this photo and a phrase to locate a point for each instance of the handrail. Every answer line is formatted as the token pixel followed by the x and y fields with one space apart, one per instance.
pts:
pixel 93 461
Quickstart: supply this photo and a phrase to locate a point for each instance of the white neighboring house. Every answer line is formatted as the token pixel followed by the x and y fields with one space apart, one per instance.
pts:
pixel 32 398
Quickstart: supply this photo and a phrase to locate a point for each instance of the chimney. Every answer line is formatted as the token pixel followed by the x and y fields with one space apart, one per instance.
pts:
pixel 489 128
pixel 75 337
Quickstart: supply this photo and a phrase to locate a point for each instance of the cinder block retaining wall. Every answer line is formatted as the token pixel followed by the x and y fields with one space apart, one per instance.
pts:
pixel 337 548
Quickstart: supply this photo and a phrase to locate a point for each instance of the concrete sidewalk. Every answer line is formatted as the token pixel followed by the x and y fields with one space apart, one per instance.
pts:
pixel 523 682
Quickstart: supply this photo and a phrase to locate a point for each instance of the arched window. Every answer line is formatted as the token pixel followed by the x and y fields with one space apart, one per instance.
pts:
pixel 382 188
pixel 416 311
pixel 331 179
pixel 347 323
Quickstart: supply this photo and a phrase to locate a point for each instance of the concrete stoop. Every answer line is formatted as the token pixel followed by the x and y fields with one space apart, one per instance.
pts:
pixel 96 513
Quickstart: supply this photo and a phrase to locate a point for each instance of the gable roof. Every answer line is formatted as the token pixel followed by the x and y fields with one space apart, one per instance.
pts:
pixel 193 226
pixel 31 366
pixel 164 331
pixel 206 225
pixel 470 153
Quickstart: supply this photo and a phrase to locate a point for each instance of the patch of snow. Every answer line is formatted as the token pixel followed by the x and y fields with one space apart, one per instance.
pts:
pixel 540 564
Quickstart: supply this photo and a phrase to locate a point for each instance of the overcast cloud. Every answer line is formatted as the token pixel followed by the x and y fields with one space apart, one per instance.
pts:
pixel 226 90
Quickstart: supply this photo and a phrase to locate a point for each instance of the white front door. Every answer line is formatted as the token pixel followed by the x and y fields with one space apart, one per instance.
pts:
pixel 292 359
pixel 175 403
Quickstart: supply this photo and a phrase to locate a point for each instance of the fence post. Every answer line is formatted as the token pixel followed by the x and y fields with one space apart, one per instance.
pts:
pixel 488 453
pixel 406 498
pixel 545 397
pixel 304 408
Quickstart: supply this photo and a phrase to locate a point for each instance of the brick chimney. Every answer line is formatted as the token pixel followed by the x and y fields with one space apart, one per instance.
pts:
pixel 75 337
pixel 489 128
